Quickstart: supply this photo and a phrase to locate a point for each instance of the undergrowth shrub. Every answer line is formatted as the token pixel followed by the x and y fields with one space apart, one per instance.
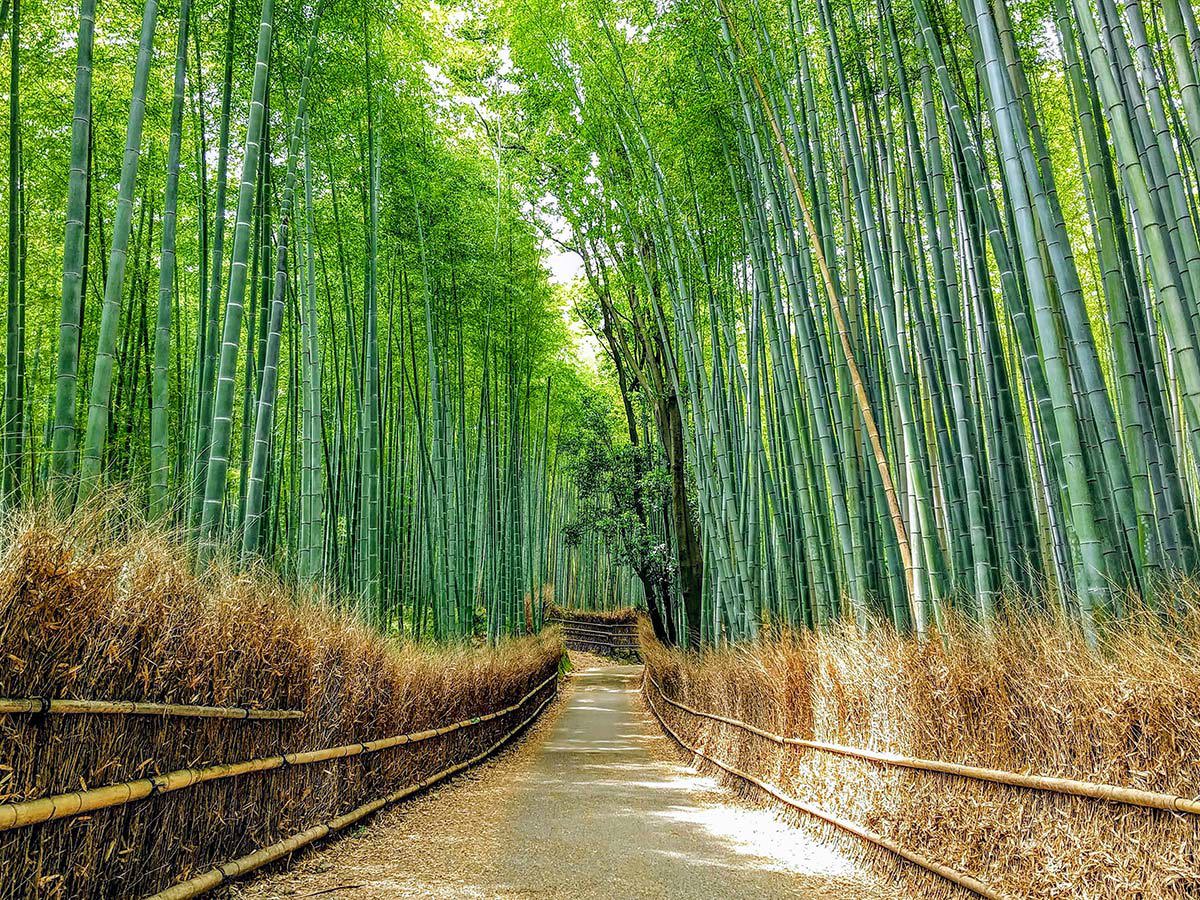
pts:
pixel 1028 697
pixel 88 617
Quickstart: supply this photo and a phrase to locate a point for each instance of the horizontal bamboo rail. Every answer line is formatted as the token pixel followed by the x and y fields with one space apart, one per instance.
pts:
pixel 213 878
pixel 61 806
pixel 602 638
pixel 967 882
pixel 624 629
pixel 45 705
pixel 1093 790
pixel 609 638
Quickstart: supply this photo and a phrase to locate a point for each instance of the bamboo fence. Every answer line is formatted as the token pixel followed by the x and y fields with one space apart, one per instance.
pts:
pixel 60 806
pixel 609 638
pixel 967 882
pixel 1110 793
pixel 47 706
pixel 244 865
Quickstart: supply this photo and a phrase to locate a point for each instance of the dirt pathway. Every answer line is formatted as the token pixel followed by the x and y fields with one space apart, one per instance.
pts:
pixel 592 804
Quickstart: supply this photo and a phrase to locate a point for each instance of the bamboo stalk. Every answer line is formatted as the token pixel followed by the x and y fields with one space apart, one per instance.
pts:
pixel 967 882
pixel 206 881
pixel 61 806
pixel 138 708
pixel 1110 793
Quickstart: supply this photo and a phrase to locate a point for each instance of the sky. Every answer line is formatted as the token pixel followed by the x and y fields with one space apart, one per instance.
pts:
pixel 564 266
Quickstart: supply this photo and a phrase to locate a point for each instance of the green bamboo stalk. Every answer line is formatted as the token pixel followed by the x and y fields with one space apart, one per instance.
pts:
pixel 90 468
pixel 159 458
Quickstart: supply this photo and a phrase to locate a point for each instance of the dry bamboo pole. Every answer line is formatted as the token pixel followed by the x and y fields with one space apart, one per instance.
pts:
pixel 1093 790
pixel 606 632
pixel 43 705
pixel 967 882
pixel 213 878
pixel 61 806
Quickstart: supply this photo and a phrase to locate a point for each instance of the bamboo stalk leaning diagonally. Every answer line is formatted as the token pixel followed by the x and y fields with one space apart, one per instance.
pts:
pixel 39 705
pixel 967 882
pixel 244 865
pixel 61 806
pixel 1094 790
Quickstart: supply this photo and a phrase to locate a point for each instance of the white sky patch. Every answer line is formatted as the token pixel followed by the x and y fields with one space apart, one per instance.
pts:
pixel 585 349
pixel 565 266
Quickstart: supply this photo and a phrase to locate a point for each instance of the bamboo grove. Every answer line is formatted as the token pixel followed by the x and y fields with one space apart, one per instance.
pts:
pixel 895 303
pixel 265 282
pixel 921 277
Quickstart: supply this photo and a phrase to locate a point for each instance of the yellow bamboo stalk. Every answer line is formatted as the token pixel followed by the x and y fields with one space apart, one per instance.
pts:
pixel 967 882
pixel 1093 790
pixel 61 806
pixel 630 630
pixel 206 881
pixel 39 705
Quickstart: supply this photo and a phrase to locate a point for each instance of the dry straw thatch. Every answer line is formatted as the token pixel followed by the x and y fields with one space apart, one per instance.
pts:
pixel 622 616
pixel 1028 698
pixel 82 617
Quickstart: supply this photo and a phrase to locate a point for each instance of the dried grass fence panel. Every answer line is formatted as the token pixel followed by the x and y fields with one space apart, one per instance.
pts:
pixel 966 882
pixel 47 706
pixel 251 862
pixel 1108 793
pixel 80 617
pixel 1023 699
pixel 61 806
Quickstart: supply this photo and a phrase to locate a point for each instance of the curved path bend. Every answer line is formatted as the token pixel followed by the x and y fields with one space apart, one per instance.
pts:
pixel 592 803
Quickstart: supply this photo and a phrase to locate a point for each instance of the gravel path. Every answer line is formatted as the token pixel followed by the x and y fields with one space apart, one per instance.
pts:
pixel 592 803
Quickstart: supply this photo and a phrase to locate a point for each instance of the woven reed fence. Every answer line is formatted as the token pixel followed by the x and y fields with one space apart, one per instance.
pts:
pixel 1092 790
pixel 958 879
pixel 131 624
pixel 1027 770
pixel 251 862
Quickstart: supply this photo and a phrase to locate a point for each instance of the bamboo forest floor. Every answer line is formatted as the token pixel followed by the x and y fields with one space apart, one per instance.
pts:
pixel 592 803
